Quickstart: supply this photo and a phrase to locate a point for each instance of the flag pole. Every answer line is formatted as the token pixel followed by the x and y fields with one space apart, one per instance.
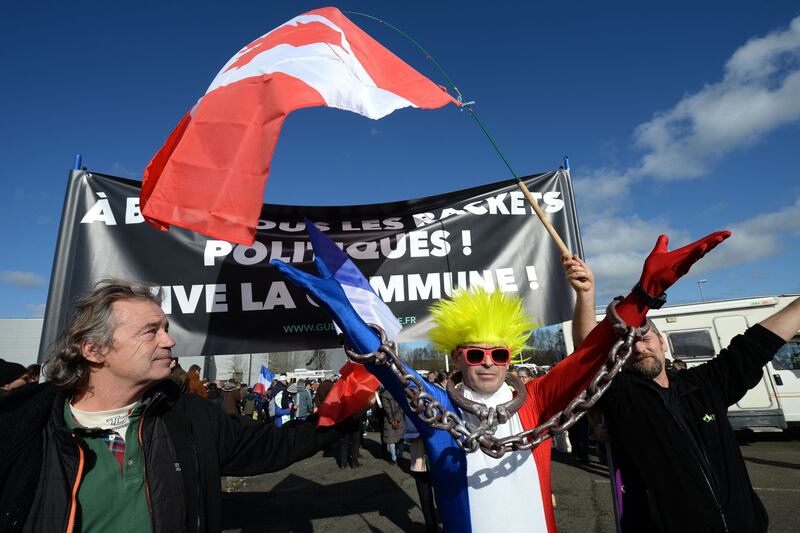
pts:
pixel 469 107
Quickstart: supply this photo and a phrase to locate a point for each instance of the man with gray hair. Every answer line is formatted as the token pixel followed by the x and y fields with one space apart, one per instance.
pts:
pixel 109 443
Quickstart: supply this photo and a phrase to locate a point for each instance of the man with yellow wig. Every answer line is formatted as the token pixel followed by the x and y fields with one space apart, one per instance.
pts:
pixel 483 332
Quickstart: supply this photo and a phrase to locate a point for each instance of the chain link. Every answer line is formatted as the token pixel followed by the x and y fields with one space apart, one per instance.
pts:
pixel 470 437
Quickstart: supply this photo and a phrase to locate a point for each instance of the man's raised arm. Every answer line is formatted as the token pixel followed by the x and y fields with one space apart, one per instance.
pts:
pixel 581 278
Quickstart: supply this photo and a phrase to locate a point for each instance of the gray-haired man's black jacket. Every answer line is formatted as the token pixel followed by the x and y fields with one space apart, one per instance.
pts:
pixel 188 442
pixel 686 473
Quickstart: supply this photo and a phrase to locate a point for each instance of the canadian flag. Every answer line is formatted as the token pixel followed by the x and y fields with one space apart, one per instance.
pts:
pixel 210 174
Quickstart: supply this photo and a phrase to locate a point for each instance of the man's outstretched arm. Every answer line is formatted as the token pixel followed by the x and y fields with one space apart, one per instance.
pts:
pixel 785 322
pixel 739 367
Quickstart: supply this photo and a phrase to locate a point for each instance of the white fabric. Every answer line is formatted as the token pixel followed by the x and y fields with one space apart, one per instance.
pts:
pixel 504 494
pixel 372 310
pixel 333 71
pixel 114 419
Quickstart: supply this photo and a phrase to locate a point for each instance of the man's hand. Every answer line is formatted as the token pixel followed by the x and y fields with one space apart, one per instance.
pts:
pixel 578 273
pixel 581 278
pixel 663 268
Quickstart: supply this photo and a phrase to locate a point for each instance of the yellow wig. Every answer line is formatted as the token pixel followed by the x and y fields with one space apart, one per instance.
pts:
pixel 480 317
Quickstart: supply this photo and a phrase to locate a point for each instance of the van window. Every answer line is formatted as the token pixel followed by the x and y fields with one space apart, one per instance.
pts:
pixel 788 357
pixel 691 343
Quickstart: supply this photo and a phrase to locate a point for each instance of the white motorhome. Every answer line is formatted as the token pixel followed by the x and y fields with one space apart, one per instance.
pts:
pixel 697 332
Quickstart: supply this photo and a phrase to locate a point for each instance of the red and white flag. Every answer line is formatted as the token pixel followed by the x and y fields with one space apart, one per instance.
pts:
pixel 210 174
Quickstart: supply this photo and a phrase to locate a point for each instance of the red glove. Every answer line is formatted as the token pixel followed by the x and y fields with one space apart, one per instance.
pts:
pixel 662 268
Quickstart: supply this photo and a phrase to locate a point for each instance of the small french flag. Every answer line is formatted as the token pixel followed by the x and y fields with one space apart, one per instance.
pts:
pixel 333 262
pixel 343 291
pixel 265 377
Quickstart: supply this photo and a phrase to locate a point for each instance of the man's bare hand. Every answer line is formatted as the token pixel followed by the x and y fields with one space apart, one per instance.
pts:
pixel 578 273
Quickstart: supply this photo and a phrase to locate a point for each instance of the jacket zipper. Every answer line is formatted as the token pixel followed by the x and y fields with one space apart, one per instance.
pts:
pixel 144 462
pixel 197 485
pixel 702 470
pixel 74 498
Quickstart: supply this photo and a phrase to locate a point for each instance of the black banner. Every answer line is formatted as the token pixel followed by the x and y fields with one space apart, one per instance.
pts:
pixel 225 298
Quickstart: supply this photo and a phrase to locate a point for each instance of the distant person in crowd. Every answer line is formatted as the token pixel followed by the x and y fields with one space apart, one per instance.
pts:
pixel 32 373
pixel 196 386
pixel 579 438
pixel 282 401
pixel 231 396
pixel 213 393
pixel 110 444
pixel 303 401
pixel 394 426
pixel 179 375
pixel 418 468
pixel 323 390
pixel 670 434
pixel 430 377
pixel 679 364
pixel 12 376
pixel 254 401
pixel 441 380
pixel 524 373
pixel 349 447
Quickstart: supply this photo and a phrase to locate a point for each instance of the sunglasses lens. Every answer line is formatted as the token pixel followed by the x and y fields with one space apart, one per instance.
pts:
pixel 501 356
pixel 474 357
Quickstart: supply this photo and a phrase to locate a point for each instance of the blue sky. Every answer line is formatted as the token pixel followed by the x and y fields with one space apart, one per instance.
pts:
pixel 678 117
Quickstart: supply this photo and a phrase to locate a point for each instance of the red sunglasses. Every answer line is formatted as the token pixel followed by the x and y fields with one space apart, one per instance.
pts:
pixel 476 356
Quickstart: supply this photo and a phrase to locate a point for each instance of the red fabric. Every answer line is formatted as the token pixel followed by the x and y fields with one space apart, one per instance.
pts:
pixel 211 172
pixel 541 456
pixel 350 394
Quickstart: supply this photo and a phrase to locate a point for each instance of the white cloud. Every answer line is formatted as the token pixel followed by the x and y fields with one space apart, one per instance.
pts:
pixel 605 192
pixel 756 238
pixel 759 93
pixel 616 249
pixel 21 279
pixel 36 310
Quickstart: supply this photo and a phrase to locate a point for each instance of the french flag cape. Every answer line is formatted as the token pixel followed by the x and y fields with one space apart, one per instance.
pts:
pixel 210 174
pixel 474 492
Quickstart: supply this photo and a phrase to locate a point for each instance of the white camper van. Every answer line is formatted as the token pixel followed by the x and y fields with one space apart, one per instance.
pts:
pixel 697 332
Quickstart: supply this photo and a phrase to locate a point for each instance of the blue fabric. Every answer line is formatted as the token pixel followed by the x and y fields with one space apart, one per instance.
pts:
pixel 267 374
pixel 448 461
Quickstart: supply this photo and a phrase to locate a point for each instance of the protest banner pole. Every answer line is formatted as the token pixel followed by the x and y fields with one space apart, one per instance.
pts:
pixel 468 106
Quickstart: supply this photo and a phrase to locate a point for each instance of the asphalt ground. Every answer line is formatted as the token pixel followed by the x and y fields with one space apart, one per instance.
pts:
pixel 316 496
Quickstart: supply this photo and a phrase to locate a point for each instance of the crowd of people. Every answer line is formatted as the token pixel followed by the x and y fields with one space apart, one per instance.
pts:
pixel 119 437
pixel 280 401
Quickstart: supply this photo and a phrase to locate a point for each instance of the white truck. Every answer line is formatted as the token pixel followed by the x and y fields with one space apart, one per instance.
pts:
pixel 697 332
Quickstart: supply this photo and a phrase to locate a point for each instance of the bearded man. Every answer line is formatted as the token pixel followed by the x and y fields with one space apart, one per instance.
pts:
pixel 670 433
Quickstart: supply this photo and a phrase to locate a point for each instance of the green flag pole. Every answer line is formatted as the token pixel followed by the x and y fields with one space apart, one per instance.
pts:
pixel 469 107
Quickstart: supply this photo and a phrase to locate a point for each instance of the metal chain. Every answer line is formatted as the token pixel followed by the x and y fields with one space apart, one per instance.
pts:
pixel 471 438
